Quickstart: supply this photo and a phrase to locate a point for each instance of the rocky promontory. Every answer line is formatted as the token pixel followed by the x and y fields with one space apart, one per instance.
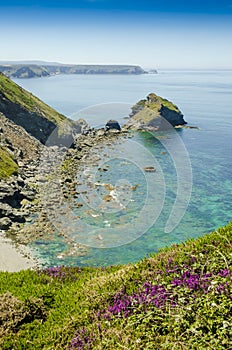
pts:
pixel 154 113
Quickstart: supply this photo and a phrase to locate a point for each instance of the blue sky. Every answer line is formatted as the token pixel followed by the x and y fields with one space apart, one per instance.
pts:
pixel 197 6
pixel 154 34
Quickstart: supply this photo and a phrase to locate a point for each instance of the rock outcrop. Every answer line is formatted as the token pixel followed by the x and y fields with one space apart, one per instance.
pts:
pixel 22 146
pixel 112 125
pixel 154 113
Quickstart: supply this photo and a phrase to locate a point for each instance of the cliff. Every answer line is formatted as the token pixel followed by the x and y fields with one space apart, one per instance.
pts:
pixel 36 117
pixel 154 113
pixel 43 70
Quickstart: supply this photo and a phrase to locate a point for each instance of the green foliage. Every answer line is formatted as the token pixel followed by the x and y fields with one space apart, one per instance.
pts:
pixel 159 102
pixel 195 312
pixel 19 96
pixel 169 105
pixel 8 166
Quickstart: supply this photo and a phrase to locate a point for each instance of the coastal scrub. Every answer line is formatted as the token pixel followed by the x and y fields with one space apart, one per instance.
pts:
pixel 179 298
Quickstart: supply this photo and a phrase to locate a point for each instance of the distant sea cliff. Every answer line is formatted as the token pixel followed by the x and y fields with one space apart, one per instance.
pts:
pixel 46 69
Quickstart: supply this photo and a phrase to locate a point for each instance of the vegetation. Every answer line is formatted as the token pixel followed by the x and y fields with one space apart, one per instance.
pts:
pixel 155 103
pixel 180 298
pixel 169 105
pixel 16 94
pixel 8 166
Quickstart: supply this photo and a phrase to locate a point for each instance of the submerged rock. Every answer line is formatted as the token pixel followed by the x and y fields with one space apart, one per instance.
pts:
pixel 154 113
pixel 150 169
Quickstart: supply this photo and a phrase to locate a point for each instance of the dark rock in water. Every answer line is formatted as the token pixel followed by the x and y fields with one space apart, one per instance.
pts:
pixel 154 113
pixel 113 124
pixel 150 169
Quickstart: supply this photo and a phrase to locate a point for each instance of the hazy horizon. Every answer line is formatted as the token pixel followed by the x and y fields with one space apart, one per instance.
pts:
pixel 151 34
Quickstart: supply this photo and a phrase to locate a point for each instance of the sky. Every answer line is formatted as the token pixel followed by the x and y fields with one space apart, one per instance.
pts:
pixel 157 34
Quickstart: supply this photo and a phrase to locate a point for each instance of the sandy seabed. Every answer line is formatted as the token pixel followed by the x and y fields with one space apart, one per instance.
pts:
pixel 14 258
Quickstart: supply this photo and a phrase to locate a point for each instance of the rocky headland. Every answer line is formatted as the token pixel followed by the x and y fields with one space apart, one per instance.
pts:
pixel 154 113
pixel 44 69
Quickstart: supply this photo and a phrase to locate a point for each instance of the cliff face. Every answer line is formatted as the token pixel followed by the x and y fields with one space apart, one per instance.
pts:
pixel 34 70
pixel 16 141
pixel 36 117
pixel 154 113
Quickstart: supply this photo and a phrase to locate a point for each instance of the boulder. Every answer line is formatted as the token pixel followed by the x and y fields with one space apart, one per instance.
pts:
pixel 112 125
pixel 5 223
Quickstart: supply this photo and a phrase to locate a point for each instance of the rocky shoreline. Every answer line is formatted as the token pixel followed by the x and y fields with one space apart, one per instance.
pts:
pixel 24 216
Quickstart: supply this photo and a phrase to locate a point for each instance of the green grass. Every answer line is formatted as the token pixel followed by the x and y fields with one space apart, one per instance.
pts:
pixel 169 105
pixel 51 308
pixel 18 95
pixel 8 166
pixel 156 106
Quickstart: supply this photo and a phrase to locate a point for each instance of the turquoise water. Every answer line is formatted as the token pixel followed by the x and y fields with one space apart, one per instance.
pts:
pixel 205 99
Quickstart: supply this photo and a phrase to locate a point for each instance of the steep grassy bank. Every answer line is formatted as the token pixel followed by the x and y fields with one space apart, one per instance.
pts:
pixel 19 96
pixel 8 166
pixel 180 298
pixel 35 116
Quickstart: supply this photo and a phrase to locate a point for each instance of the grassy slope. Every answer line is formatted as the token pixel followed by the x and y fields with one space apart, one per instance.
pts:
pixel 156 106
pixel 18 95
pixel 180 298
pixel 7 164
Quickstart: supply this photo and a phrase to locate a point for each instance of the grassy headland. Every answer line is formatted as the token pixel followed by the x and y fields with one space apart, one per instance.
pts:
pixel 179 298
pixel 28 70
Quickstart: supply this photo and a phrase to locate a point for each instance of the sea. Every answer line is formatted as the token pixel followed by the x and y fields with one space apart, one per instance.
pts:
pixel 189 191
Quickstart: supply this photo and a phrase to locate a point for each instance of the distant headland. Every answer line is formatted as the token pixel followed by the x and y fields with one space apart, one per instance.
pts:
pixel 33 69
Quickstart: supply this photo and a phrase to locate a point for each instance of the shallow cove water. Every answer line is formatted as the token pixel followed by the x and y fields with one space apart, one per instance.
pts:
pixel 205 99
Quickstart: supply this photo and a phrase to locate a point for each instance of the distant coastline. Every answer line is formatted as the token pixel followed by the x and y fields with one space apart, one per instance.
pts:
pixel 45 69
